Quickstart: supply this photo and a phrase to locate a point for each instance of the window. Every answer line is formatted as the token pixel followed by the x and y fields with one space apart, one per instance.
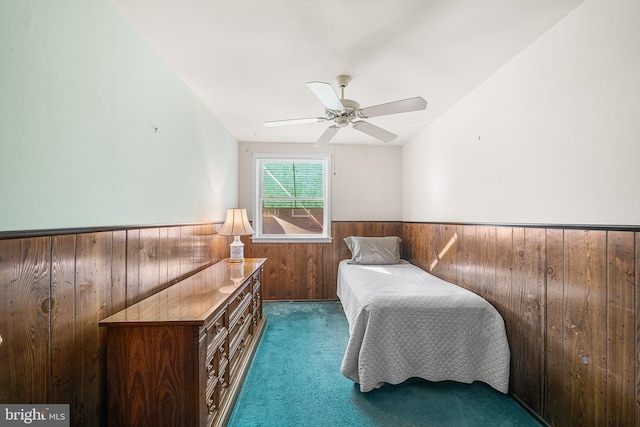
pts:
pixel 292 198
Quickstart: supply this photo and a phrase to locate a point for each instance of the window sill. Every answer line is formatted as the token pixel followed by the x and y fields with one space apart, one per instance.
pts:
pixel 291 240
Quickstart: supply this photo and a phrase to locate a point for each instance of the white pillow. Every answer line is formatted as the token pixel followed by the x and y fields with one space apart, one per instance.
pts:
pixel 374 250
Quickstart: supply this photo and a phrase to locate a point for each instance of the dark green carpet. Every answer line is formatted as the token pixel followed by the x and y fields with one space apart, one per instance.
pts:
pixel 295 380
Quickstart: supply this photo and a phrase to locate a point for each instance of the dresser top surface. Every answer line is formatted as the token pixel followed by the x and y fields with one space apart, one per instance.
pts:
pixel 192 300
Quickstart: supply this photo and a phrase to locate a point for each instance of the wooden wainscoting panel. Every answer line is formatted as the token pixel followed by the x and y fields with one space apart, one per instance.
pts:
pixel 447 254
pixel 339 251
pixel 467 254
pixel 529 305
pixel 340 230
pixel 621 321
pixel 162 260
pixel 357 229
pixel 420 245
pixel 24 319
pixel 586 332
pixel 187 262
pixel 204 250
pixel 151 265
pixel 315 271
pixel 308 271
pixel 637 322
pixel 569 298
pixel 174 251
pixel 486 262
pixel 133 266
pixel 63 351
pixel 434 244
pixel 54 289
pixel 93 303
pixel 118 270
pixel 504 275
pixel 555 330
pixel 285 273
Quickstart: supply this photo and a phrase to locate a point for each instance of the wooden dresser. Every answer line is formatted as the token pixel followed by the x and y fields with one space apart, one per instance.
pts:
pixel 178 358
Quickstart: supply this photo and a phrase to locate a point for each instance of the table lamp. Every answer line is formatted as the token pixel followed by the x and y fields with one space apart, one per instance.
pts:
pixel 236 225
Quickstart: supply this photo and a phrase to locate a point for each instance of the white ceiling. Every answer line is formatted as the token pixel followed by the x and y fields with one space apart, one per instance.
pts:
pixel 249 60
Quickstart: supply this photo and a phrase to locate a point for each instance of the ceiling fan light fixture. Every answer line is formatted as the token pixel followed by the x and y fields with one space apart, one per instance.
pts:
pixel 342 121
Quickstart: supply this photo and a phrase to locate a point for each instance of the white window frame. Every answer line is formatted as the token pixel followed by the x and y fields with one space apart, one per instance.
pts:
pixel 258 160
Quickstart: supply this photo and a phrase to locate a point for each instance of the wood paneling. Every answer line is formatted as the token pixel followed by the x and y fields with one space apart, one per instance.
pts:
pixel 63 351
pixel 55 289
pixel 528 306
pixel 24 319
pixel 586 327
pixel 621 319
pixel 569 298
pixel 308 271
pixel 555 330
pixel 570 303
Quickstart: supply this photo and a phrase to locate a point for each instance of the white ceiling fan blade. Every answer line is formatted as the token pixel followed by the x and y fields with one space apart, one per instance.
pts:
pixel 374 131
pixel 404 106
pixel 294 121
pixel 326 95
pixel 326 137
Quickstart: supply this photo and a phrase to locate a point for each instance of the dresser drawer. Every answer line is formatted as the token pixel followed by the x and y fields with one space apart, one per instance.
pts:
pixel 238 307
pixel 239 337
pixel 216 333
pixel 255 281
pixel 188 328
pixel 217 361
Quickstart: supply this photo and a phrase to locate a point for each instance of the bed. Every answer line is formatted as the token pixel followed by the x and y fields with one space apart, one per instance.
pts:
pixel 405 322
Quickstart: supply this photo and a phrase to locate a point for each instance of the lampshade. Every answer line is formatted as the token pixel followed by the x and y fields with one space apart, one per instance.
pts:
pixel 236 224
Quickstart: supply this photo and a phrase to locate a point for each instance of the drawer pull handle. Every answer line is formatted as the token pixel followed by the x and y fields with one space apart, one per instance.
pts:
pixel 211 406
pixel 211 370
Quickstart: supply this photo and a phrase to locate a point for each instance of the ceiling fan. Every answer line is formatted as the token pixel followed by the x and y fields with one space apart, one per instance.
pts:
pixel 344 112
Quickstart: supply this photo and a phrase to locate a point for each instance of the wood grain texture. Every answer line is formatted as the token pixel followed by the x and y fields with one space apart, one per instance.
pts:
pixel 529 305
pixel 486 262
pixel 55 289
pixel 63 351
pixel 555 330
pixel 504 277
pixel 178 357
pixel 564 294
pixel 585 323
pixel 637 322
pixel 24 319
pixel 170 354
pixel 621 321
pixel 308 271
pixel 466 252
pixel 448 264
pixel 570 304
pixel 93 303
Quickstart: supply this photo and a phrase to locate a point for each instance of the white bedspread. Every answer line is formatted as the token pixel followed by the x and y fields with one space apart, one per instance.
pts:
pixel 405 322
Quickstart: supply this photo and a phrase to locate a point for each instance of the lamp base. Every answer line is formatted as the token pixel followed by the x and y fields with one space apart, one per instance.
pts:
pixel 236 250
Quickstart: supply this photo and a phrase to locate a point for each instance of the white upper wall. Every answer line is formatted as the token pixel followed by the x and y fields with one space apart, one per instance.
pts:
pixel 97 130
pixel 552 138
pixel 366 180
